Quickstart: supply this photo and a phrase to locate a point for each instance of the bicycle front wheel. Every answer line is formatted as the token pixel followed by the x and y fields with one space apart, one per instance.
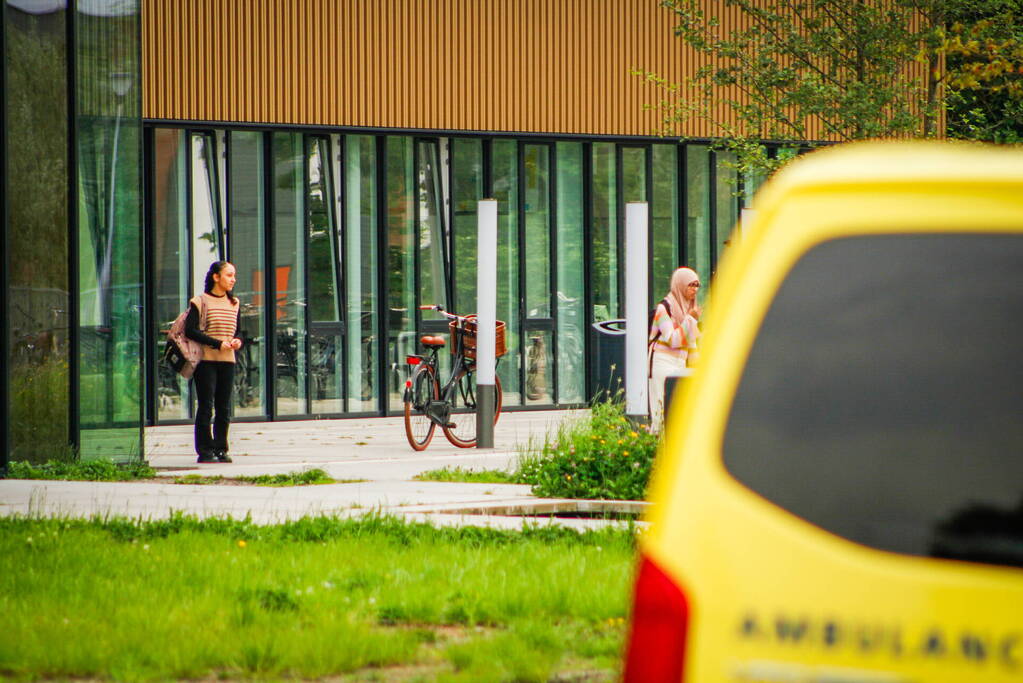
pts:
pixel 418 427
pixel 461 429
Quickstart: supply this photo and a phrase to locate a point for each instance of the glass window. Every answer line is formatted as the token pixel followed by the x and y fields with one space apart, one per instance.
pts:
pixel 248 255
pixel 884 405
pixel 207 237
pixel 36 177
pixel 604 233
pixel 726 196
pixel 170 260
pixel 634 189
pixel 325 325
pixel 361 271
pixel 698 198
pixel 537 216
pixel 539 368
pixel 663 220
pixel 109 153
pixel 570 282
pixel 466 191
pixel 289 274
pixel 401 291
pixel 751 182
pixel 505 190
pixel 432 250
pixel 634 174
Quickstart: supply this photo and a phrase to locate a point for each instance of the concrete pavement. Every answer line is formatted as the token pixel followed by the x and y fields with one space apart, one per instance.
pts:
pixel 370 453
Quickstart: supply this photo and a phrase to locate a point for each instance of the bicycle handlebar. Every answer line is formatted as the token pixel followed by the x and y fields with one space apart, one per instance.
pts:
pixel 440 309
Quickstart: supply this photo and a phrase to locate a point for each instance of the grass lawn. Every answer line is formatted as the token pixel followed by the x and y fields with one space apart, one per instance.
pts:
pixel 460 474
pixel 368 599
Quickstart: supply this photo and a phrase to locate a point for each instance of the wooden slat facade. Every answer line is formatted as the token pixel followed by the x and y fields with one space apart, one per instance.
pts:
pixel 538 66
pixel 552 66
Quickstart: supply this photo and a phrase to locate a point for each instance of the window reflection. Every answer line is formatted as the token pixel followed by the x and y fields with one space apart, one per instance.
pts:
pixel 401 292
pixel 361 271
pixel 663 219
pixel 247 253
pixel 36 178
pixel 570 281
pixel 325 326
pixel 537 208
pixel 207 236
pixel 726 196
pixel 170 260
pixel 698 198
pixel 466 191
pixel 504 171
pixel 289 274
pixel 431 234
pixel 108 151
pixel 539 368
pixel 605 233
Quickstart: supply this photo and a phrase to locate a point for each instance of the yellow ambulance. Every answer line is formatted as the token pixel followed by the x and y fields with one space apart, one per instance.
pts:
pixel 839 495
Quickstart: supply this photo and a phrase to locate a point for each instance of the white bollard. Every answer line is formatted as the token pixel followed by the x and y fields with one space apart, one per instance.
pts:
pixel 636 304
pixel 486 318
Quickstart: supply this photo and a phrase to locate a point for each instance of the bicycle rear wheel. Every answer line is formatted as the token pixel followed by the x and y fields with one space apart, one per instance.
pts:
pixel 418 427
pixel 462 432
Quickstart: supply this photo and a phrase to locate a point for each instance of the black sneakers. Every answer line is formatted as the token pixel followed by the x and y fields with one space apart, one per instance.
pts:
pixel 216 455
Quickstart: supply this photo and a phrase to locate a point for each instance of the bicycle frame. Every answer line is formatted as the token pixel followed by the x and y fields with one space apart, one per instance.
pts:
pixel 438 410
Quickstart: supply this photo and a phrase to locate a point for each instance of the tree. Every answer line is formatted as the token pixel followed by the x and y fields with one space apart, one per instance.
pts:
pixel 798 70
pixel 984 51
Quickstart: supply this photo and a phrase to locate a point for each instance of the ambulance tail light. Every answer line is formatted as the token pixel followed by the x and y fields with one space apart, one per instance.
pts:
pixel 655 652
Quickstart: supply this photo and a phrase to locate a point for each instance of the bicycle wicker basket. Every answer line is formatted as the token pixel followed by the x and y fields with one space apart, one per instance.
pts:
pixel 468 332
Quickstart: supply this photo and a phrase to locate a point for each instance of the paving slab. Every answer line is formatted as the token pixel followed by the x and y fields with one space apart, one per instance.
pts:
pixel 368 448
pixel 371 450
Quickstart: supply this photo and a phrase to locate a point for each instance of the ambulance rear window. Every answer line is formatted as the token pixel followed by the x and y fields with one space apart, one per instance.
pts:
pixel 883 397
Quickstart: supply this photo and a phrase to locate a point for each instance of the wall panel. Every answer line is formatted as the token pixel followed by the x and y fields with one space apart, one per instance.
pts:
pixel 555 66
pixel 558 66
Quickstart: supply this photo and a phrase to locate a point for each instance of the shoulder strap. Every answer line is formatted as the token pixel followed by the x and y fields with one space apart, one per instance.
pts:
pixel 200 304
pixel 653 315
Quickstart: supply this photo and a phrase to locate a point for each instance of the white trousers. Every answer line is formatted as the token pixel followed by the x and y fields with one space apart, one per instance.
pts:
pixel 663 366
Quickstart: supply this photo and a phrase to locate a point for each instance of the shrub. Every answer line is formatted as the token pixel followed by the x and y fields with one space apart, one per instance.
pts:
pixel 603 457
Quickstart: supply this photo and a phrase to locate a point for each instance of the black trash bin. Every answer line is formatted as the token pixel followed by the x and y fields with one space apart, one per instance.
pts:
pixel 671 385
pixel 608 356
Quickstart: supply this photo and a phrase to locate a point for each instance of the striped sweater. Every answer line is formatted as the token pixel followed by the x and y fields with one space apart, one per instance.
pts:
pixel 222 318
pixel 675 340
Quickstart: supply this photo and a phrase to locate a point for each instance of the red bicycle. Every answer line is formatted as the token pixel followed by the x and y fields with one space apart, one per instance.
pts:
pixel 452 406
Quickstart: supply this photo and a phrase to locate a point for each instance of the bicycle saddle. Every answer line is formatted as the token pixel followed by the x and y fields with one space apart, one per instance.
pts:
pixel 427 340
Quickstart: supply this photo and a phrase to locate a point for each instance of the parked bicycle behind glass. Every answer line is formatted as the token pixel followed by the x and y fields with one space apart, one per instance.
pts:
pixel 452 406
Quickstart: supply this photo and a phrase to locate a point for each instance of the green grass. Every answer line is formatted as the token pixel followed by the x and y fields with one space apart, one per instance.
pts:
pixel 75 470
pixel 460 474
pixel 602 456
pixel 183 598
pixel 304 478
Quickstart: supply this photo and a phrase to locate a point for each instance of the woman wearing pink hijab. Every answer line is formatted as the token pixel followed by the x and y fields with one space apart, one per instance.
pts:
pixel 673 335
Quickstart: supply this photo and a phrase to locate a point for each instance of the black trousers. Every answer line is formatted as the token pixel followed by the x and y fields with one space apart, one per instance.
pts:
pixel 214 381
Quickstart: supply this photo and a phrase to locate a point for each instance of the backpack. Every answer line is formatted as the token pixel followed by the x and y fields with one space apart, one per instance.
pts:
pixel 651 340
pixel 653 314
pixel 181 353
